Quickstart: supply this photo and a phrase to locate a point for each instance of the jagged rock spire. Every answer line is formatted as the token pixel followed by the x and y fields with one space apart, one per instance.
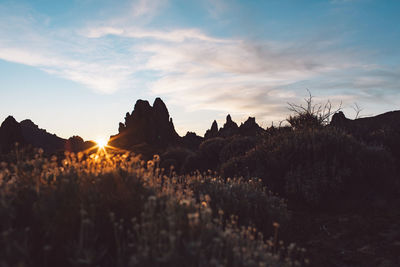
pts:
pixel 146 124
pixel 213 132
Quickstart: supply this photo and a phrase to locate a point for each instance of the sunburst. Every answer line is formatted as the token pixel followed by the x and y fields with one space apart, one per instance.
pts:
pixel 101 143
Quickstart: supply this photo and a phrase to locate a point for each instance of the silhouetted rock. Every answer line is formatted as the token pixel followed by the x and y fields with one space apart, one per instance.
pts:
pixel 383 129
pixel 339 119
pixel 41 138
pixel 213 132
pixel 146 124
pixel 10 133
pixel 76 144
pixel 192 140
pixel 250 128
pixel 230 128
pixel 389 121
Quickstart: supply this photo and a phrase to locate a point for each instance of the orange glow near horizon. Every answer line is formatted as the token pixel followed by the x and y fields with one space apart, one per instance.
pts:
pixel 101 143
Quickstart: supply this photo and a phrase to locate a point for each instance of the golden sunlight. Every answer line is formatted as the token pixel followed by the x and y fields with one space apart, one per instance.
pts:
pixel 101 142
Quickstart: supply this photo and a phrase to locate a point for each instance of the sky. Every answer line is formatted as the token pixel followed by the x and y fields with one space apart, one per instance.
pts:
pixel 75 67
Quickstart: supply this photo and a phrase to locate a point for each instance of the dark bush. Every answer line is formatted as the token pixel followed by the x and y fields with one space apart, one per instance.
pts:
pixel 210 150
pixel 249 200
pixel 237 146
pixel 317 166
pixel 176 157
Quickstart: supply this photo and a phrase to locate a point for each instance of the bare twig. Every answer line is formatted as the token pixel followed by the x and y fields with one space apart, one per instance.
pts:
pixel 357 109
pixel 311 114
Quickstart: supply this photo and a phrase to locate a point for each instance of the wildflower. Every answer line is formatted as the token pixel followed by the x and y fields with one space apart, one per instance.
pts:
pixel 150 164
pixel 156 158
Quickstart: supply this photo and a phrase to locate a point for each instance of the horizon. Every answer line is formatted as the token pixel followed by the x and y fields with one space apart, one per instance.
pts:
pixel 76 67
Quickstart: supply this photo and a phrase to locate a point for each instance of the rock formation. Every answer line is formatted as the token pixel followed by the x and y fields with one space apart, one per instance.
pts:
pixel 146 124
pixel 389 121
pixel 41 138
pixel 213 132
pixel 28 134
pixel 230 128
pixel 383 129
pixel 250 128
pixel 10 134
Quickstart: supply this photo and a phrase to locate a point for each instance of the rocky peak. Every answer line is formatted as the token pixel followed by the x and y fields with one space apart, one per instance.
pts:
pixel 10 133
pixel 160 108
pixel 250 128
pixel 214 126
pixel 229 122
pixel 28 123
pixel 9 122
pixel 230 128
pixel 213 132
pixel 338 119
pixel 142 107
pixel 146 124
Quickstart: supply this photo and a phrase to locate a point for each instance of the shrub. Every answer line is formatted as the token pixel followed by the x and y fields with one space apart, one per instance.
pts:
pixel 249 200
pixel 175 157
pixel 317 166
pixel 312 115
pixel 236 146
pixel 210 150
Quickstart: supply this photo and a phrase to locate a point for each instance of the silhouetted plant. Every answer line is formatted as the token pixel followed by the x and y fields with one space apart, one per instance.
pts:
pixel 316 166
pixel 176 157
pixel 210 150
pixel 236 146
pixel 312 115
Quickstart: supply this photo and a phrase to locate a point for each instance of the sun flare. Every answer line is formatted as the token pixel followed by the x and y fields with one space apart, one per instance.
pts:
pixel 101 142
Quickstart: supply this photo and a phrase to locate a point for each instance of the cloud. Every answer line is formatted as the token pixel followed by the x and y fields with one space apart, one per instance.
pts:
pixel 242 78
pixel 135 32
pixel 26 39
pixel 146 7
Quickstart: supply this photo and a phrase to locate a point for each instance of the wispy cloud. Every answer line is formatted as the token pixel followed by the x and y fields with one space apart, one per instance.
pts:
pixel 146 7
pixel 136 32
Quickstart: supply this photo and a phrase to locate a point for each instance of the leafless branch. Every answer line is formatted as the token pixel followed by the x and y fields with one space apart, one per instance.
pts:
pixel 320 113
pixel 357 109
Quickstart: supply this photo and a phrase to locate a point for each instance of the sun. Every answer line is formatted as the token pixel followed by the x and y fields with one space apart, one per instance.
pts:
pixel 101 142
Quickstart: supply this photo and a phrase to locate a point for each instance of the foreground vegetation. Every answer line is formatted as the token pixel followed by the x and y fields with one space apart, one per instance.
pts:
pixel 207 203
pixel 116 210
